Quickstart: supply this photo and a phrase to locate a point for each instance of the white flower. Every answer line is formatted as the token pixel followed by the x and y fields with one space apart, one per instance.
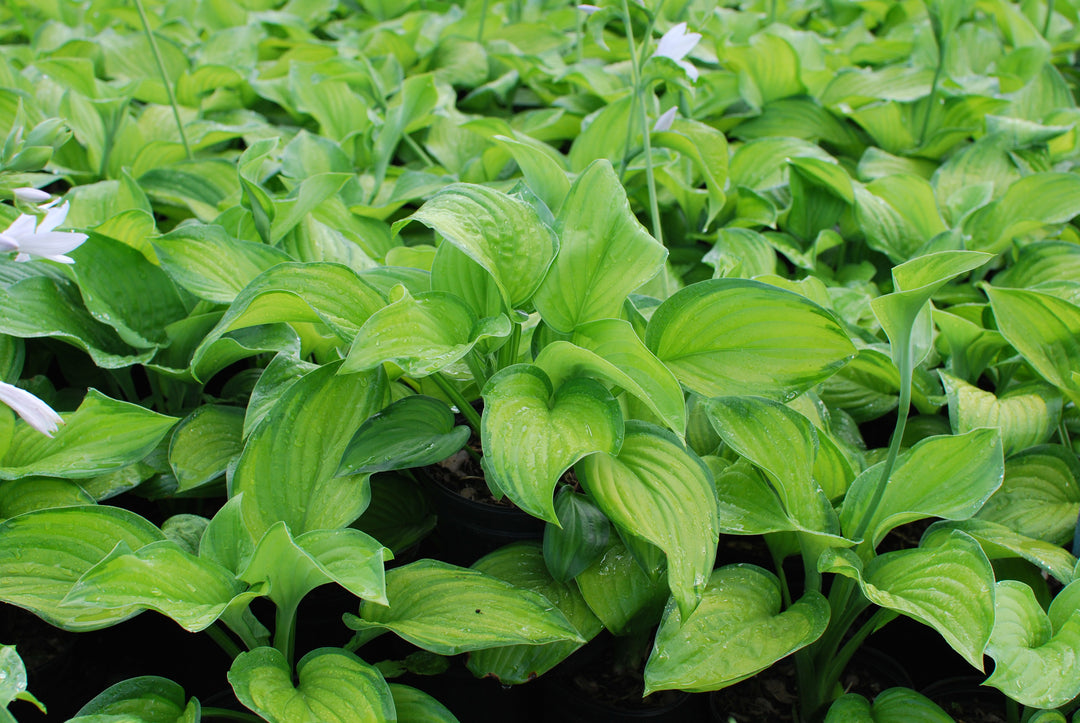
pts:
pixel 41 240
pixel 663 123
pixel 588 9
pixel 37 413
pixel 677 44
pixel 30 195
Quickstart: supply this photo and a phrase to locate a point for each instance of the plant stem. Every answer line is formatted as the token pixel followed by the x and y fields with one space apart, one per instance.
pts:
pixel 1063 434
pixel 418 150
pixel 459 401
pixel 219 636
pixel 483 19
pixel 285 631
pixel 1049 16
pixel 164 77
pixel 835 668
pixel 933 90
pixel 227 714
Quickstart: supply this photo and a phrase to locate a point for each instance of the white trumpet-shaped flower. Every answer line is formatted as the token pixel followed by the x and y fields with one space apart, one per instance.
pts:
pixel 37 413
pixel 588 9
pixel 676 44
pixel 31 195
pixel 31 238
pixel 663 123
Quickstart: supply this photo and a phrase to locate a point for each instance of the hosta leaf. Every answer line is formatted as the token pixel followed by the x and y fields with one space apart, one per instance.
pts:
pixel 1026 415
pixel 1044 329
pixel 611 350
pixel 40 493
pixel 293 567
pixel 334 686
pixel 544 175
pixel 209 263
pixel 43 554
pixel 40 307
pixel 619 592
pixel 895 705
pixel 502 233
pixel 1035 662
pixel 204 444
pixel 762 164
pixel 1000 542
pixel 1041 262
pixel 707 149
pixel 783 443
pixel 412 432
pixel 604 253
pixel 434 606
pixel 532 434
pixel 330 294
pixel 522 565
pixel 1031 203
pixel 160 576
pixel 898 214
pixel 581 537
pixel 146 699
pixel 971 347
pixel 747 503
pixel 947 584
pixel 287 469
pixel 737 631
pixel 13 685
pixel 945 476
pixel 741 253
pixel 733 336
pixel 1040 496
pixel 421 335
pixel 454 271
pixel 416 705
pixel 663 493
pixel 101 435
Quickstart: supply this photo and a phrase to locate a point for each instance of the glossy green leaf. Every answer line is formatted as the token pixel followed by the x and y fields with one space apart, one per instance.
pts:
pixel 421 335
pixel 1040 496
pixel 531 434
pixel 783 443
pixel 1035 662
pixel 945 476
pixel 502 233
pixel 434 606
pixel 663 493
pixel 1045 330
pixel 1000 542
pixel 161 576
pixel 294 566
pixel 740 253
pixel 604 253
pixel 43 554
pixel 146 699
pixel 454 271
pixel 101 435
pixel 1026 415
pixel 416 705
pixel 761 164
pixel 1029 205
pixel 522 565
pixel 736 632
pixel 610 350
pixel 544 174
pixel 40 493
pixel 412 432
pixel 334 686
pixel 204 444
pixel 946 583
pixel 288 466
pixel 747 503
pixel 581 536
pixel 210 264
pixel 707 149
pixel 13 680
pixel 971 347
pixel 894 705
pixel 620 592
pixel 1039 263
pixel 733 336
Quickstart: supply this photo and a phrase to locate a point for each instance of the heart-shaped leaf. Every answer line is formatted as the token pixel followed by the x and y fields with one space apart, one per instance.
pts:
pixel 946 584
pixel 946 476
pixel 737 631
pixel 604 253
pixel 733 336
pixel 448 610
pixel 334 686
pixel 421 335
pixel 1026 415
pixel 531 436
pixel 100 436
pixel 1040 496
pixel 1035 660
pixel 612 351
pixel 287 469
pixel 412 432
pixel 663 493
pixel 502 233
pixel 148 699
pixel 43 554
pixel 895 705
pixel 522 565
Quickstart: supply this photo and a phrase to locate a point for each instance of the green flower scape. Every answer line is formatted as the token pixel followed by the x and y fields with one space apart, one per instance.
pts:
pixel 668 274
